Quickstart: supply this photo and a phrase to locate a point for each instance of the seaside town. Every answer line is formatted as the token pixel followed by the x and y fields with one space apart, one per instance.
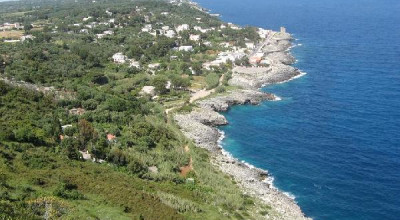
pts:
pixel 138 86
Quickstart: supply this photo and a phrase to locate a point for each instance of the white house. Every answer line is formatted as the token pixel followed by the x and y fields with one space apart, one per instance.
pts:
pixel 183 27
pixel 119 58
pixel 194 37
pixel 154 65
pixel 250 45
pixel 134 63
pixel 185 48
pixel 207 43
pixel 87 18
pixel 170 33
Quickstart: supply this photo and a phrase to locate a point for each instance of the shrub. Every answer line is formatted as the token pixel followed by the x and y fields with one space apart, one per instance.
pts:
pixel 68 191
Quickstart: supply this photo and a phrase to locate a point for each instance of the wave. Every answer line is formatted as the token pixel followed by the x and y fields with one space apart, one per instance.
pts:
pixel 294 77
pixel 277 98
pixel 269 180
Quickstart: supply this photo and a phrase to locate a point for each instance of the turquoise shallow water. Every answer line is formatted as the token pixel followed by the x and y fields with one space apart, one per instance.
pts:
pixel 334 140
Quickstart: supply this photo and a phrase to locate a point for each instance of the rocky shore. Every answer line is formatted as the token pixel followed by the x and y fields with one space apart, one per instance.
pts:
pixel 200 125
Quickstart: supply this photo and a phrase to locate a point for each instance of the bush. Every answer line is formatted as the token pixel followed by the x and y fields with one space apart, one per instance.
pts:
pixel 220 89
pixel 68 191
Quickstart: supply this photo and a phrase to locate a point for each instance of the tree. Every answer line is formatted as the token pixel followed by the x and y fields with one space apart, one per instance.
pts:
pixel 70 148
pixel 160 83
pixel 179 82
pixel 86 132
pixel 99 150
pixel 27 27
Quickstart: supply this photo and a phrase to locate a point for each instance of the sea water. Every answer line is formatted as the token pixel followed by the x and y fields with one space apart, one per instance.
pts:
pixel 333 140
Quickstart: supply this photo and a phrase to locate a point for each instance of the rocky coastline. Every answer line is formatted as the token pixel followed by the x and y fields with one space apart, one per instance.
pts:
pixel 201 124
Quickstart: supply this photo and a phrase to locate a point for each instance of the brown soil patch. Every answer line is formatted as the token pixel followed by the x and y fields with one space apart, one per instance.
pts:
pixel 186 169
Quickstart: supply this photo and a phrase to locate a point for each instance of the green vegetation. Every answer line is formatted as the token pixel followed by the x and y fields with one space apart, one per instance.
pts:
pixel 78 138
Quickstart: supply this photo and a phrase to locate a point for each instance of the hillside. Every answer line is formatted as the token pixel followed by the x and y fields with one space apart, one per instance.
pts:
pixel 86 92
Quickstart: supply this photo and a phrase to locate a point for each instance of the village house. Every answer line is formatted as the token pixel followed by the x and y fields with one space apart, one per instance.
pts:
pixel 170 34
pixel 87 18
pixel 250 45
pixel 154 66
pixel 207 43
pixel 194 37
pixel 185 48
pixel 8 26
pixel 147 28
pixel 77 111
pixel 223 58
pixel 119 58
pixel 198 28
pixel 135 64
pixel 183 27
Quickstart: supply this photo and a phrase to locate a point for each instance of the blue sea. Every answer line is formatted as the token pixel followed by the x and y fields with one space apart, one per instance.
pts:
pixel 333 141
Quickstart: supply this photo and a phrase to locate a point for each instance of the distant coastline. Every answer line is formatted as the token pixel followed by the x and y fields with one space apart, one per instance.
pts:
pixel 201 124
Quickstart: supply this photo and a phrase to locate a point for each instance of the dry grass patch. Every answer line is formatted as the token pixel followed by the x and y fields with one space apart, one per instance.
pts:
pixel 11 34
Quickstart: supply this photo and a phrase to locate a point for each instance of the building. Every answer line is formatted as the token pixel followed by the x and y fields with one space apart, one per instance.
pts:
pixel 135 64
pixel 77 111
pixel 283 30
pixel 154 66
pixel 119 58
pixel 183 27
pixel 194 37
pixel 87 18
pixel 250 45
pixel 8 26
pixel 185 48
pixel 170 34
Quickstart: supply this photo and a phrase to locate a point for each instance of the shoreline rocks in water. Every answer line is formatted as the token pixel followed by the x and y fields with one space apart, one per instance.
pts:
pixel 200 125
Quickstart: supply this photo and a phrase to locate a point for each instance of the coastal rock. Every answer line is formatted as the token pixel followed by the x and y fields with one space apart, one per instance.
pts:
pixel 208 117
pixel 237 97
pixel 281 57
pixel 204 136
pixel 255 77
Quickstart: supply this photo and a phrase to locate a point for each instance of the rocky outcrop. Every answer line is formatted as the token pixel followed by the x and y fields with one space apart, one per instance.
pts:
pixel 237 97
pixel 255 77
pixel 203 136
pixel 281 57
pixel 199 125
